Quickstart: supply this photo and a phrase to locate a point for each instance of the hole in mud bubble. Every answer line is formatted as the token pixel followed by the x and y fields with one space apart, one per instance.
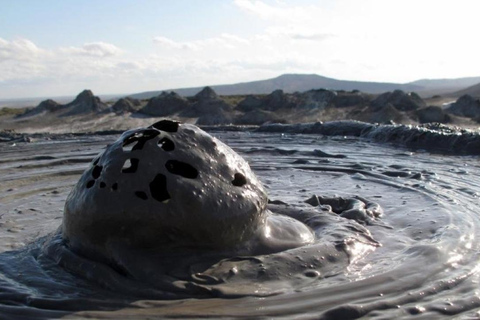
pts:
pixel 129 143
pixel 130 165
pixel 97 170
pixel 115 186
pixel 95 162
pixel 90 184
pixel 182 169
pixel 239 180
pixel 137 140
pixel 142 195
pixel 158 188
pixel 166 144
pixel 102 185
pixel 166 125
pixel 146 135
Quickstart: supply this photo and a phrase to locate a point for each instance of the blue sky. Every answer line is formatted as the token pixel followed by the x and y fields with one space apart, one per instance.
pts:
pixel 58 47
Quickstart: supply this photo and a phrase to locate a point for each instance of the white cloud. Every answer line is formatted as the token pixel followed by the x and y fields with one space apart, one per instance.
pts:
pixel 376 40
pixel 24 67
pixel 312 36
pixel 301 23
pixel 224 40
pixel 94 49
pixel 297 33
pixel 278 13
pixel 170 44
pixel 19 49
pixel 129 65
pixel 233 39
pixel 355 40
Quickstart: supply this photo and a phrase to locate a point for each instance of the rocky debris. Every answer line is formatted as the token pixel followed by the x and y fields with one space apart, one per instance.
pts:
pixel 279 100
pixel 432 114
pixel 400 100
pixel 274 101
pixel 218 118
pixel 126 104
pixel 350 99
pixel 206 93
pixel 465 106
pixel 316 99
pixel 49 105
pixel 250 103
pixel 258 117
pixel 385 115
pixel 10 136
pixel 165 104
pixel 45 106
pixel 207 104
pixel 209 109
pixel 86 102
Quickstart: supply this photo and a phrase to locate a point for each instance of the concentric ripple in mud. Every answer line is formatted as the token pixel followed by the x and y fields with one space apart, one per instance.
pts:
pixel 427 264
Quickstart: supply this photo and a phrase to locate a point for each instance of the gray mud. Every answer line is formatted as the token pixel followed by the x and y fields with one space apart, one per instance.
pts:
pixel 421 208
pixel 431 137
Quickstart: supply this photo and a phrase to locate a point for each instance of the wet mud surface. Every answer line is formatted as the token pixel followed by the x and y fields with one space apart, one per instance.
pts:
pixel 411 250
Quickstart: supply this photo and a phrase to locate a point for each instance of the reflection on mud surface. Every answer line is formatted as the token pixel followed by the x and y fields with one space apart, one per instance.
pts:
pixel 427 263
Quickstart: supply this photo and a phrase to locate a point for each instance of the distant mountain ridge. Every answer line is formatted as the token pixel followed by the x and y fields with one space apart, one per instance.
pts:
pixel 447 83
pixel 290 83
pixel 473 91
pixel 448 86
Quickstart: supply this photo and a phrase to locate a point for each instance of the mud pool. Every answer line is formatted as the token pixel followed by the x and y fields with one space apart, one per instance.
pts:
pixel 427 265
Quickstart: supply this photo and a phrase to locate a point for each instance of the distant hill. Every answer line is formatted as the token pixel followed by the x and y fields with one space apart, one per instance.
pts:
pixel 290 83
pixel 444 86
pixel 473 91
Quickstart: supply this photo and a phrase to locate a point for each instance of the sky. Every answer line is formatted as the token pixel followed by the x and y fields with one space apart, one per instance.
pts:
pixel 53 48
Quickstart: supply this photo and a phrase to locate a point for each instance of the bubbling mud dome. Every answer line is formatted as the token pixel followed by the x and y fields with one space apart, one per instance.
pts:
pixel 169 222
pixel 180 214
